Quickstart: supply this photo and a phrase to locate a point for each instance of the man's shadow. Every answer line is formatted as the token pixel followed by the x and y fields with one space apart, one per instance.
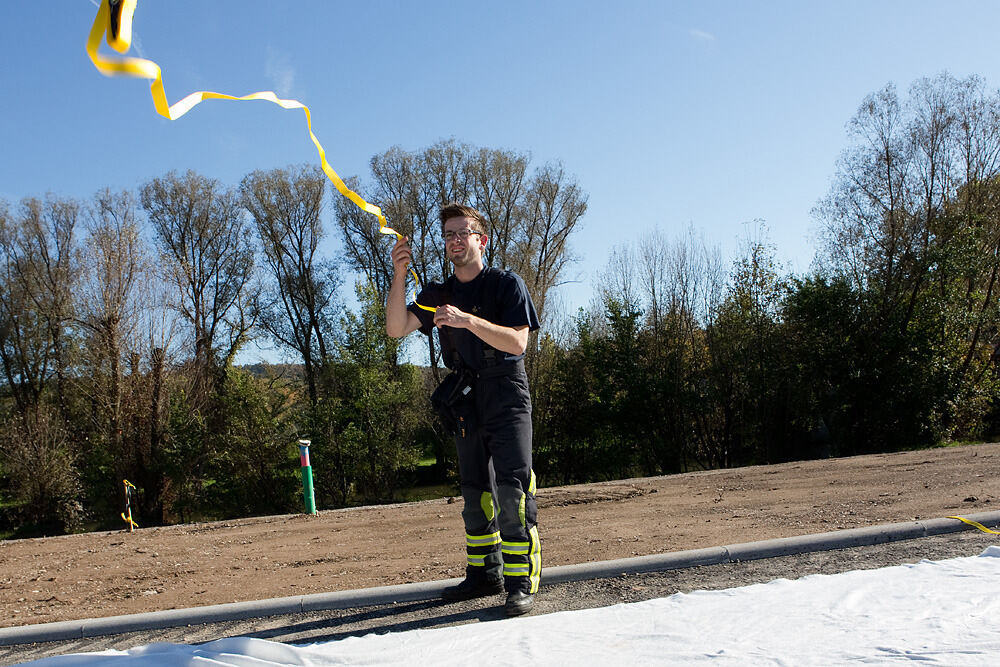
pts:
pixel 294 633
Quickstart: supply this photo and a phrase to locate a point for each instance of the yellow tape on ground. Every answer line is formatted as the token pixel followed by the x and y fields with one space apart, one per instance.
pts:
pixel 975 525
pixel 115 20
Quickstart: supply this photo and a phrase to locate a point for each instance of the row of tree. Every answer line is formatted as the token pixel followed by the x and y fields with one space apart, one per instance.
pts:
pixel 120 319
pixel 891 342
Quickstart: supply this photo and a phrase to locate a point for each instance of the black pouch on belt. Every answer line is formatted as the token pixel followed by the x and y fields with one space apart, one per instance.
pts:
pixel 455 388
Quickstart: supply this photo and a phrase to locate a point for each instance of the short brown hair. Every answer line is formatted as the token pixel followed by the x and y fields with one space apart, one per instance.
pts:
pixel 456 210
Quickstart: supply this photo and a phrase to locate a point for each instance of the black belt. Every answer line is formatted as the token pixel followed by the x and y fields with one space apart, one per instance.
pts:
pixel 501 370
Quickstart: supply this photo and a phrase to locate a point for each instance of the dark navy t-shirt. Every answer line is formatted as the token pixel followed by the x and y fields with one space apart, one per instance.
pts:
pixel 498 296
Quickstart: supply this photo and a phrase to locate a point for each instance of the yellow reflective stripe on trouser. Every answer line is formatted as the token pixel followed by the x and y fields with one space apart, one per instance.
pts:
pixel 482 540
pixel 520 508
pixel 476 560
pixel 533 567
pixel 516 548
pixel 524 559
pixel 535 560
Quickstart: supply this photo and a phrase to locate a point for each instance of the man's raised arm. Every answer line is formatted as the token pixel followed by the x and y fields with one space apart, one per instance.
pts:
pixel 399 321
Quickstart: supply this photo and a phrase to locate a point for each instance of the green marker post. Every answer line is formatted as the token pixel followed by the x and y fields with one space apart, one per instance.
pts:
pixel 307 477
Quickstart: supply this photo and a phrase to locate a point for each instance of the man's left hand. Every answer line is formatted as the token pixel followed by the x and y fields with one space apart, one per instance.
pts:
pixel 450 316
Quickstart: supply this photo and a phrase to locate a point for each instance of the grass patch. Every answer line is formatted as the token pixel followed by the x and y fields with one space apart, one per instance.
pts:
pixel 430 492
pixel 959 443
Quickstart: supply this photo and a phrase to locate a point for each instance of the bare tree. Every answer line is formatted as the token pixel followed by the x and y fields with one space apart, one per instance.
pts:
pixel 445 171
pixel 110 299
pixel 977 139
pixel 410 189
pixel 208 255
pixel 37 270
pixel 667 277
pixel 286 205
pixel 679 284
pixel 25 350
pixel 38 264
pixel 531 216
pixel 912 220
pixel 618 279
pixel 868 225
pixel 498 179
pixel 554 205
pixel 976 134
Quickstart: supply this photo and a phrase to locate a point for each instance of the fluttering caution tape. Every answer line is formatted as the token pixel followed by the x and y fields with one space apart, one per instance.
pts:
pixel 975 524
pixel 114 18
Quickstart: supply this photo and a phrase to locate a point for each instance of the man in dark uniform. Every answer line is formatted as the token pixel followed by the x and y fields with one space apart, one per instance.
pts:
pixel 483 317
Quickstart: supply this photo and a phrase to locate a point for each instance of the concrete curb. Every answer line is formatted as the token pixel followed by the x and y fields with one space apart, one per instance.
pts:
pixel 841 539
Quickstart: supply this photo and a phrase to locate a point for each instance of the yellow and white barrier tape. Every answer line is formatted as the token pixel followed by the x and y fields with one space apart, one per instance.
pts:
pixel 975 524
pixel 114 18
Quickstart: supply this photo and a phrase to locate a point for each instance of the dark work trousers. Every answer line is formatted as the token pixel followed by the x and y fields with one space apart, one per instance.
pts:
pixel 498 484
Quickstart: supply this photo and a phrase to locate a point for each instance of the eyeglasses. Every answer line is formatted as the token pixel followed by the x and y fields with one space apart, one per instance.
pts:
pixel 463 234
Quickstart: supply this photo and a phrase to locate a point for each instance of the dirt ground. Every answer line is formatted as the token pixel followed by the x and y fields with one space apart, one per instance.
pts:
pixel 112 573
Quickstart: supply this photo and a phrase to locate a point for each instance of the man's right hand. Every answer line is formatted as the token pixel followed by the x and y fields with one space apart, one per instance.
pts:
pixel 398 320
pixel 402 256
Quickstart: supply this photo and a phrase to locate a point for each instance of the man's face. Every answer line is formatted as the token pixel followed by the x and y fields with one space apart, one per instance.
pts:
pixel 462 244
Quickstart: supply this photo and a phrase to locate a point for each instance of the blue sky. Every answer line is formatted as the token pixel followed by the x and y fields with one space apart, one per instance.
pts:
pixel 669 114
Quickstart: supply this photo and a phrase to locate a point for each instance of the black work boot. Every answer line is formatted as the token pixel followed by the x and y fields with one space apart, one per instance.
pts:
pixel 518 602
pixel 476 585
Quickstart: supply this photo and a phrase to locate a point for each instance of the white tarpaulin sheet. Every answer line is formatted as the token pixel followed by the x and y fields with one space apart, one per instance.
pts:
pixel 933 612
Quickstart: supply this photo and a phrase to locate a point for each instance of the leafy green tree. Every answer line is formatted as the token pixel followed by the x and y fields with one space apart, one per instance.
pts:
pixel 671 373
pixel 334 458
pixel 380 408
pixel 256 469
pixel 573 440
pixel 863 388
pixel 108 314
pixel 910 223
pixel 594 411
pixel 744 347
pixel 677 282
pixel 40 461
pixel 187 449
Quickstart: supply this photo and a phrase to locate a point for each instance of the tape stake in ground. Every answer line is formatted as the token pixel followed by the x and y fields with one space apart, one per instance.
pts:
pixel 975 524
pixel 132 525
pixel 114 19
